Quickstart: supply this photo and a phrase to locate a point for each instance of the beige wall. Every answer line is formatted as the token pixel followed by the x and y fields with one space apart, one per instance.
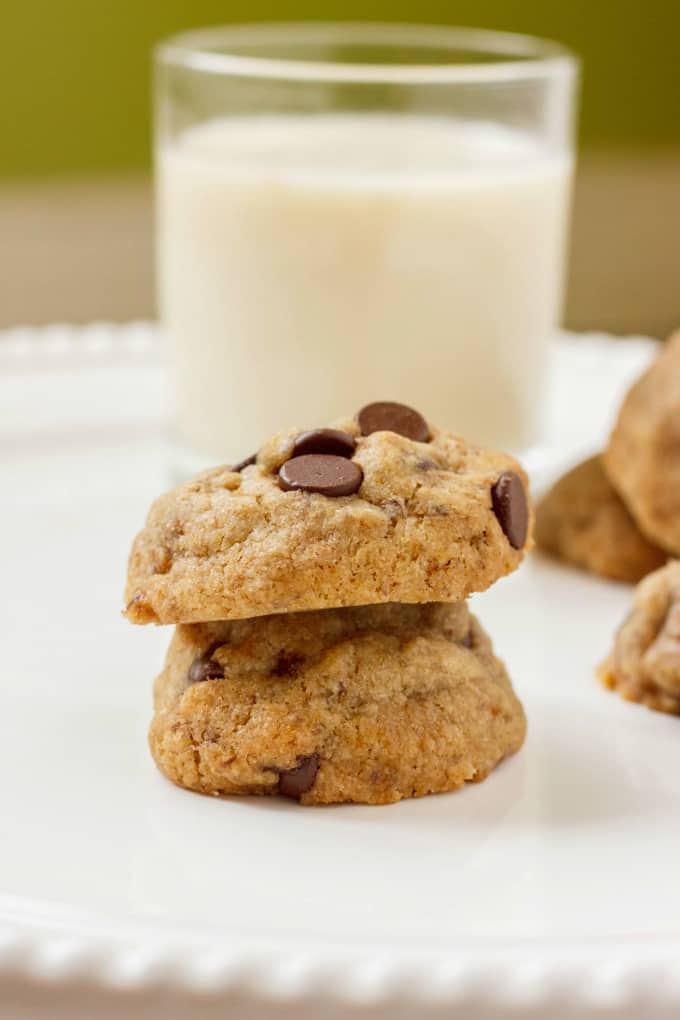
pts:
pixel 76 252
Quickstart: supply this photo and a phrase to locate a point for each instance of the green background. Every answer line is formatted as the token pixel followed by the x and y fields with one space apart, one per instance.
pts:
pixel 74 74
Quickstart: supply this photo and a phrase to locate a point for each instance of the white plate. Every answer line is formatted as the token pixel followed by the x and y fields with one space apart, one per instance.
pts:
pixel 554 884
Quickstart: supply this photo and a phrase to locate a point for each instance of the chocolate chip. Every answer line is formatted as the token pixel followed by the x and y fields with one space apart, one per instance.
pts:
pixel 510 506
pixel 387 416
pixel 321 472
pixel 294 782
pixel 287 664
pixel 466 641
pixel 204 667
pixel 245 463
pixel 332 441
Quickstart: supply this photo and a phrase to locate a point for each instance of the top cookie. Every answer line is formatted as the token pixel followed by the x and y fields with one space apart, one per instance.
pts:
pixel 357 515
pixel 643 456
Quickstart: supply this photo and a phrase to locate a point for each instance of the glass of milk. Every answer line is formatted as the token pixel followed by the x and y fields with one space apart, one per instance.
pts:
pixel 358 212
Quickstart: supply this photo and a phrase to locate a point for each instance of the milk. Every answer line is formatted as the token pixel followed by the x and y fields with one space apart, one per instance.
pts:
pixel 311 264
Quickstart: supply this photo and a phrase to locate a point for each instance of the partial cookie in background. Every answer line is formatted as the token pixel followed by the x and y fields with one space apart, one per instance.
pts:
pixel 644 664
pixel 583 521
pixel 354 515
pixel 643 456
pixel 367 704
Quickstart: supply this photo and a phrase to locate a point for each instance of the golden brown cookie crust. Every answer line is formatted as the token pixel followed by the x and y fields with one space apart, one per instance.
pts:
pixel 386 702
pixel 231 545
pixel 644 664
pixel 583 521
pixel 643 456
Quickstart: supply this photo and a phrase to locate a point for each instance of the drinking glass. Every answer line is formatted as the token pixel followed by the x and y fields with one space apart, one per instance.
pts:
pixel 359 212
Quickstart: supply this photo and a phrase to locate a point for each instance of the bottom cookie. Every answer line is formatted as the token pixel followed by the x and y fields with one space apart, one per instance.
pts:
pixel 644 664
pixel 582 520
pixel 365 704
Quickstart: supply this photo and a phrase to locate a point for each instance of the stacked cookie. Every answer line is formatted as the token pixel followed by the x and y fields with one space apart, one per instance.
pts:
pixel 323 648
pixel 618 515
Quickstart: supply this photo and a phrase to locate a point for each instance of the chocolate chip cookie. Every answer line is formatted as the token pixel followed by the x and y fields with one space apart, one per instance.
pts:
pixel 643 456
pixel 367 704
pixel 380 508
pixel 583 521
pixel 644 664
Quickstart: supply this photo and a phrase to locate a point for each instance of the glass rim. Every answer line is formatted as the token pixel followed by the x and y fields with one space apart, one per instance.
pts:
pixel 528 57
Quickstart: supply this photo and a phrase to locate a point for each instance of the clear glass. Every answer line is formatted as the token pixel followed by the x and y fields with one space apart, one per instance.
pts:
pixel 359 212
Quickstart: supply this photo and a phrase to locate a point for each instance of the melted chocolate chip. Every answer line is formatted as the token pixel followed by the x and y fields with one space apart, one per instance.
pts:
pixel 387 416
pixel 466 640
pixel 245 463
pixel 333 441
pixel 204 667
pixel 321 472
pixel 510 506
pixel 294 782
pixel 287 664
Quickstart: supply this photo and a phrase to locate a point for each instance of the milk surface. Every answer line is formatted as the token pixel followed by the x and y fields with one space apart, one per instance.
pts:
pixel 311 264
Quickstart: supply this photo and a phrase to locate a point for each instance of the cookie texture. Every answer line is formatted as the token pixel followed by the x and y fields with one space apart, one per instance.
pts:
pixel 643 456
pixel 583 521
pixel 421 528
pixel 365 704
pixel 644 664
